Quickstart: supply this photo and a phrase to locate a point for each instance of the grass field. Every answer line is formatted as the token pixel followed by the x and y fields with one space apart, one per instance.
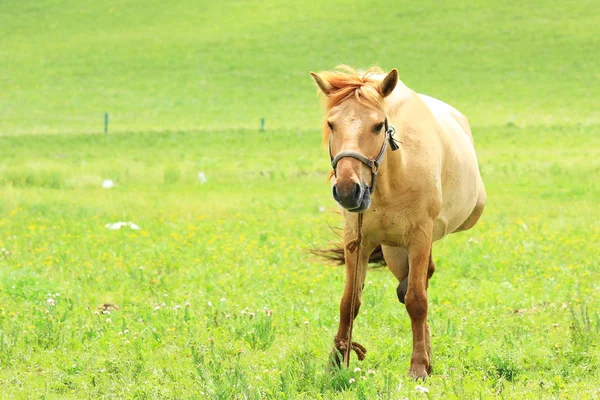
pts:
pixel 216 294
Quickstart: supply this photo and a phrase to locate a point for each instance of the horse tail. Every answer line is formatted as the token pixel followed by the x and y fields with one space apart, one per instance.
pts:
pixel 336 253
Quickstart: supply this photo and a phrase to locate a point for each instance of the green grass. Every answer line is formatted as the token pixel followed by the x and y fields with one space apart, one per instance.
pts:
pixel 217 296
pixel 513 303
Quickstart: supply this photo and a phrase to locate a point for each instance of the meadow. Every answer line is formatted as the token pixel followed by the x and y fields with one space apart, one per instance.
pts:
pixel 216 295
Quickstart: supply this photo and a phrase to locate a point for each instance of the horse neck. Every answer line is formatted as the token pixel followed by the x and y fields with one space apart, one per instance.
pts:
pixel 390 172
pixel 391 168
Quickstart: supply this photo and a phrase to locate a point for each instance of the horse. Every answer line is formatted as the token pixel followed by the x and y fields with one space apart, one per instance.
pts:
pixel 404 174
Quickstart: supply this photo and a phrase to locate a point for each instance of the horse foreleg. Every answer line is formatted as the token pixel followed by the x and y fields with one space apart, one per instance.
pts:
pixel 419 256
pixel 342 346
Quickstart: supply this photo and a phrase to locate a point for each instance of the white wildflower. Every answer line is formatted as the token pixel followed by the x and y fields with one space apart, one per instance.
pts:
pixel 115 226
pixel 421 389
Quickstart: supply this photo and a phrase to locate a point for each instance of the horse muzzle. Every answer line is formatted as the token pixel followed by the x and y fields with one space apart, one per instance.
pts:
pixel 353 197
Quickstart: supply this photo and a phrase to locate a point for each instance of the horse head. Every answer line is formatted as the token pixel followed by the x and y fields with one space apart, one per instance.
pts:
pixel 357 131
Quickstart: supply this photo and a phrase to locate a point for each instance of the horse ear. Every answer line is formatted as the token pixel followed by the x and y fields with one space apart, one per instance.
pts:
pixel 323 85
pixel 387 85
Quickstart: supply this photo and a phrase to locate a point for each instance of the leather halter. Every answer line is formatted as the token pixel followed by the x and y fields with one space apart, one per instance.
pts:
pixel 372 164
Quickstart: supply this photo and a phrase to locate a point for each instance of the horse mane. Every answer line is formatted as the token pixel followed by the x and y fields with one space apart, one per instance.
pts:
pixel 347 82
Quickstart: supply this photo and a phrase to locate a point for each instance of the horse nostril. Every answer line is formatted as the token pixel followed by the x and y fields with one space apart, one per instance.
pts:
pixel 357 192
pixel 348 195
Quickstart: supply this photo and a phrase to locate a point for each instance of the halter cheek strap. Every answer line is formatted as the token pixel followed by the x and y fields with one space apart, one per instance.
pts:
pixel 372 164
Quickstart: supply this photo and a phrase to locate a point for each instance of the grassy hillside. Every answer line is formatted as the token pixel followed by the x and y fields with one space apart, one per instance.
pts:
pixel 199 65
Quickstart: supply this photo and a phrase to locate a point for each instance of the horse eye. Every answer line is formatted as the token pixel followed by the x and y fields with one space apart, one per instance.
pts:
pixel 330 125
pixel 378 127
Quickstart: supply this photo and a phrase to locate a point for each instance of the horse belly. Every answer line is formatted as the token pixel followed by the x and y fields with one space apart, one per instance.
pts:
pixel 459 182
pixel 459 197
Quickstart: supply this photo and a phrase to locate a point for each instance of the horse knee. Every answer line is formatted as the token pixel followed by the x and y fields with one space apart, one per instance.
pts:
pixel 416 304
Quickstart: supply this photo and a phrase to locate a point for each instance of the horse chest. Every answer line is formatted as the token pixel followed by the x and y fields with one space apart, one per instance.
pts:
pixel 389 227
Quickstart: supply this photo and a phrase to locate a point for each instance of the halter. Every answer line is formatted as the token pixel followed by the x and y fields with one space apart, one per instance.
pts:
pixel 372 164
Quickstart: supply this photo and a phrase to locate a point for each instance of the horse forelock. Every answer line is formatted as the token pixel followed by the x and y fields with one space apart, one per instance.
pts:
pixel 347 83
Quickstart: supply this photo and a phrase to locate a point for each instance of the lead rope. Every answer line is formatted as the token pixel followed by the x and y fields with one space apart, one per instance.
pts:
pixel 352 246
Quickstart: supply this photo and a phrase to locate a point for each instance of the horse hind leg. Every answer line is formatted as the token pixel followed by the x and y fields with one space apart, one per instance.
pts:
pixel 430 271
pixel 401 290
pixel 397 260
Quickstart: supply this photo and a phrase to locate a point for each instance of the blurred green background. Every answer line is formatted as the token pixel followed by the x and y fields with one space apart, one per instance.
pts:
pixel 199 65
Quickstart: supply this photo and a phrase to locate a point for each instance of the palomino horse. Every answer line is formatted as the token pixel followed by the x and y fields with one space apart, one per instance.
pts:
pixel 401 188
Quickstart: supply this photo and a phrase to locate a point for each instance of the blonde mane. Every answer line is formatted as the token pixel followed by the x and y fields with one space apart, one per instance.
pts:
pixel 346 82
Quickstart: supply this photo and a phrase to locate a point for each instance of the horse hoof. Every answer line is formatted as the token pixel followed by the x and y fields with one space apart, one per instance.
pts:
pixel 335 360
pixel 419 371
